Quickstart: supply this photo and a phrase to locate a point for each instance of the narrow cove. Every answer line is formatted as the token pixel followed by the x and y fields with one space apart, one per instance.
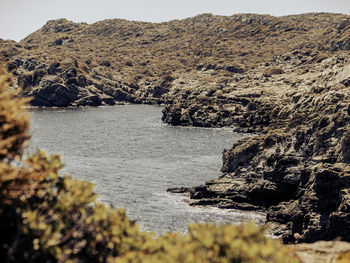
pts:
pixel 133 157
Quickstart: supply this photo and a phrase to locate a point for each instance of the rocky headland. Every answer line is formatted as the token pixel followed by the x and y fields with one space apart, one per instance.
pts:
pixel 286 80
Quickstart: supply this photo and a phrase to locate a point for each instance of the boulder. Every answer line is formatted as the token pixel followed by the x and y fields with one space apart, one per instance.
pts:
pixel 53 94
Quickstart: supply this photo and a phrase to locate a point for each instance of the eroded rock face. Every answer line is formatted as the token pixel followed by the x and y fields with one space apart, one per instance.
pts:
pixel 298 169
pixel 52 94
pixel 53 86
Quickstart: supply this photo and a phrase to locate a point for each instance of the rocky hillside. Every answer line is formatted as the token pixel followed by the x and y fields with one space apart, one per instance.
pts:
pixel 77 64
pixel 285 78
pixel 298 169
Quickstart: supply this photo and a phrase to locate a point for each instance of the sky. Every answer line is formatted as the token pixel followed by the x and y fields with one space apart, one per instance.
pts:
pixel 19 18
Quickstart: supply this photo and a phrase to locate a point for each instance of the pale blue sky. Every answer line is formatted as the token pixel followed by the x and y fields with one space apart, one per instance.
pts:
pixel 21 17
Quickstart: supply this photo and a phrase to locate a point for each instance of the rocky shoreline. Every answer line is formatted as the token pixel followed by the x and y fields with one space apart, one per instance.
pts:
pixel 297 168
pixel 286 80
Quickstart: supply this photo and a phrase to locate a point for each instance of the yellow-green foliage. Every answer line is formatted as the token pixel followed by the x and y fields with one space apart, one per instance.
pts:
pixel 14 123
pixel 62 221
pixel 45 217
pixel 212 243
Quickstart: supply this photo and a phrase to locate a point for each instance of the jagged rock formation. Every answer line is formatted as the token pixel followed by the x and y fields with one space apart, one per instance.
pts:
pixel 286 78
pixel 298 170
pixel 248 100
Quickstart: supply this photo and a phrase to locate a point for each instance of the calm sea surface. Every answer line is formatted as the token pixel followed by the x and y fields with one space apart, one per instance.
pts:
pixel 133 157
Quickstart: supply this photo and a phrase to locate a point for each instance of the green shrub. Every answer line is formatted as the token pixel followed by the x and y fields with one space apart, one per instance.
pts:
pixel 14 124
pixel 60 220
pixel 212 243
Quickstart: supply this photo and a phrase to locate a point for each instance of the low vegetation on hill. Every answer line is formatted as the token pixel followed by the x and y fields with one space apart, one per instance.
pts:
pixel 66 63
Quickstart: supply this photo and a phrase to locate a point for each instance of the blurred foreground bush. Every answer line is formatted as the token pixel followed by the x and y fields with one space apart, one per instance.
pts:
pixel 45 217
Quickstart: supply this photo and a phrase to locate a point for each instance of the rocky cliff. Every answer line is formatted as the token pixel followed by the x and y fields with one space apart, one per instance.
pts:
pixel 285 79
pixel 298 168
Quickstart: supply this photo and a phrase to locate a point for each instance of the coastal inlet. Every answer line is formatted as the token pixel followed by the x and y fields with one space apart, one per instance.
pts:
pixel 133 157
